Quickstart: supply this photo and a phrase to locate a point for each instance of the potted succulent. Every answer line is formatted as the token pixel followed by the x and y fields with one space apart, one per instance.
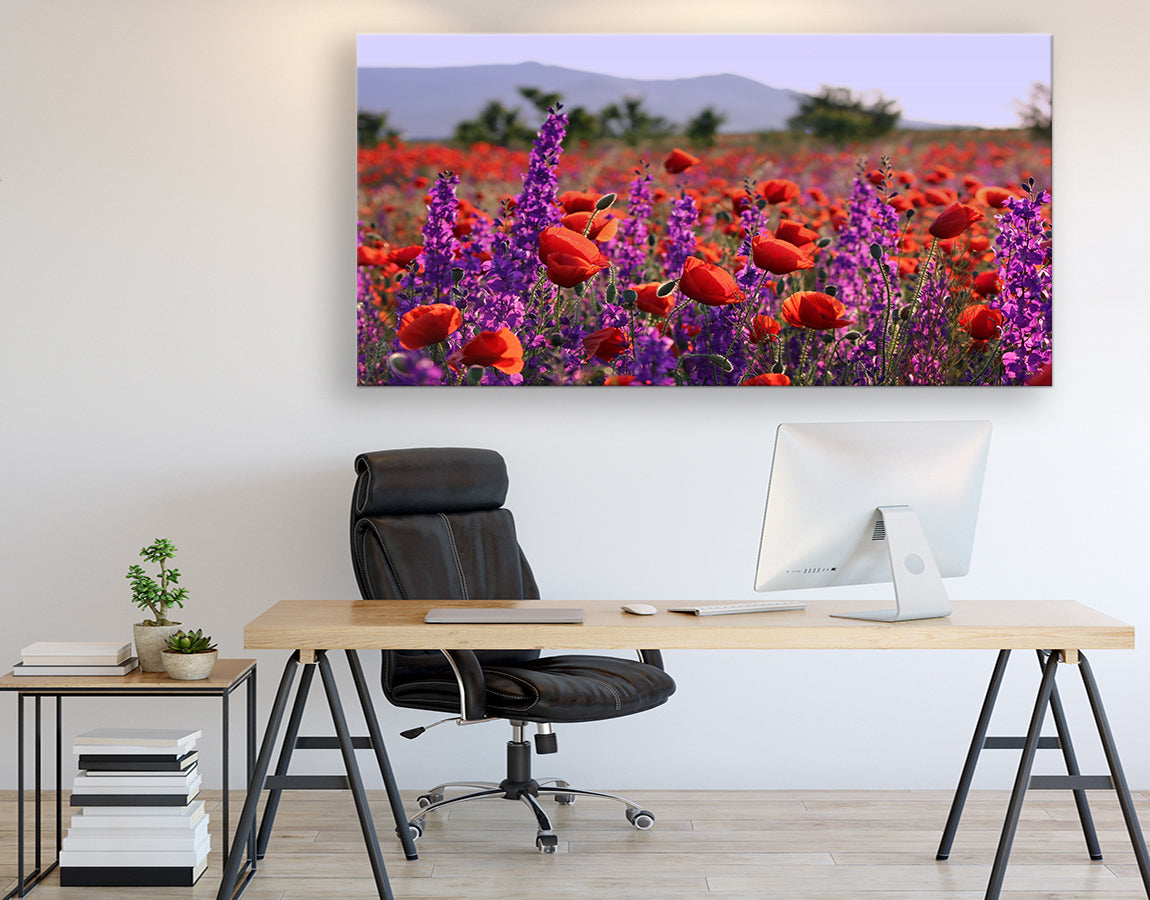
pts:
pixel 156 598
pixel 189 655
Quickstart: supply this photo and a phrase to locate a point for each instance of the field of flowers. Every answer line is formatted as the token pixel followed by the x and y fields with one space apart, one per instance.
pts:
pixel 920 261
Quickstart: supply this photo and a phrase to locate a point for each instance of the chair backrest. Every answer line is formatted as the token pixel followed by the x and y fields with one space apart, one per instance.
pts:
pixel 429 524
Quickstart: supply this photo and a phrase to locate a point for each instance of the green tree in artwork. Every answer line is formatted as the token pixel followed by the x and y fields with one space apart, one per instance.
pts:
pixel 838 114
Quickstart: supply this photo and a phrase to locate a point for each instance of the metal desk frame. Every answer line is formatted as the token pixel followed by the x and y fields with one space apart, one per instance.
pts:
pixel 1056 630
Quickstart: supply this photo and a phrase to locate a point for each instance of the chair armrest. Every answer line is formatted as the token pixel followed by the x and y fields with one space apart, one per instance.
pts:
pixel 652 658
pixel 472 684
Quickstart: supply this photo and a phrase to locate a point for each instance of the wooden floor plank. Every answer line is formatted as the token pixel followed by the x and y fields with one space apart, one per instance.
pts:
pixel 726 845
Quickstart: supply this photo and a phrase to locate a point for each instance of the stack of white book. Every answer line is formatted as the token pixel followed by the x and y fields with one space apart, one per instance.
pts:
pixel 140 822
pixel 75 658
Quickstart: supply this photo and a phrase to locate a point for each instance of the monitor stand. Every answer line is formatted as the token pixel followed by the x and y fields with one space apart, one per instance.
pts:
pixel 918 589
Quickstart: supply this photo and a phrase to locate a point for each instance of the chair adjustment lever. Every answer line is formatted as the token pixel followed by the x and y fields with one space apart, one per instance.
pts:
pixel 412 733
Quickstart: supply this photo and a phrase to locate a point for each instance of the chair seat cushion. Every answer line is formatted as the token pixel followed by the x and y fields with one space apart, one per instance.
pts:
pixel 572 688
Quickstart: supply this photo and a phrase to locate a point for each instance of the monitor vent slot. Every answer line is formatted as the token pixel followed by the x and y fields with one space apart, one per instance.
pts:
pixel 879 530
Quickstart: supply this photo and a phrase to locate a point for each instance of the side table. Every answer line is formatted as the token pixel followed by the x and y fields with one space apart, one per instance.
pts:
pixel 227 676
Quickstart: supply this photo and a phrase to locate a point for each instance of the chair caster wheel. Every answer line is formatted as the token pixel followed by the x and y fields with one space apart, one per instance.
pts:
pixel 425 800
pixel 640 818
pixel 564 799
pixel 547 843
pixel 416 830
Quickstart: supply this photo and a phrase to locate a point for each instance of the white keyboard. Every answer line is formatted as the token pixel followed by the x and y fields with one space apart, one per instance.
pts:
pixel 727 609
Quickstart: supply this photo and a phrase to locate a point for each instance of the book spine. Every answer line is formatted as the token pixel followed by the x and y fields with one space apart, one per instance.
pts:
pixel 116 876
pixel 144 858
pixel 141 800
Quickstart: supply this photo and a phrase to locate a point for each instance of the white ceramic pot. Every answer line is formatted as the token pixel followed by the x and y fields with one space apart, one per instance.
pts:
pixel 150 642
pixel 189 666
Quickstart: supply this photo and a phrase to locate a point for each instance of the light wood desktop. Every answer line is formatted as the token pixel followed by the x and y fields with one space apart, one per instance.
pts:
pixel 1058 630
pixel 974 625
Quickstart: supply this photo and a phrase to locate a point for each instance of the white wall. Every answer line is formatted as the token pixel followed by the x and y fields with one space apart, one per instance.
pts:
pixel 176 213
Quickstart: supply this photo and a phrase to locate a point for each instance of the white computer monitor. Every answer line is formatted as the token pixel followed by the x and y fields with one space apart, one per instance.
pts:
pixel 866 502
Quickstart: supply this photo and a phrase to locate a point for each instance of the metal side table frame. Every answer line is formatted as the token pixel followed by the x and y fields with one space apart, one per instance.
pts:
pixel 133 685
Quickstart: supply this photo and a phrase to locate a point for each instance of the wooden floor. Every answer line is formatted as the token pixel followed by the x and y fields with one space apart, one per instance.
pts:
pixel 790 845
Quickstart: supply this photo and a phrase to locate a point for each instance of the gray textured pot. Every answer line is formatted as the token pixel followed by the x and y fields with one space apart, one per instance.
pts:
pixel 189 666
pixel 150 641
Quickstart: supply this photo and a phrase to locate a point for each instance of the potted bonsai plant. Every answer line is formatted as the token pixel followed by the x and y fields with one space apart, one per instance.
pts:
pixel 156 598
pixel 189 655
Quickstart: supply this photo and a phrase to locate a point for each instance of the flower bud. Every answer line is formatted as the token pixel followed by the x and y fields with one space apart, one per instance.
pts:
pixel 605 202
pixel 853 336
pixel 474 375
pixel 399 363
pixel 666 288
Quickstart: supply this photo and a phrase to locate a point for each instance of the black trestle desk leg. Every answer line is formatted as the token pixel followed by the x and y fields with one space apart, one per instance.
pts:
pixel 1080 801
pixel 375 733
pixel 1022 780
pixel 1117 775
pixel 355 780
pixel 291 733
pixel 976 745
pixel 255 786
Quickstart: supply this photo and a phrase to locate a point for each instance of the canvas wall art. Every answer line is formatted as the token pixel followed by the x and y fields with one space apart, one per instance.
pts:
pixel 704 210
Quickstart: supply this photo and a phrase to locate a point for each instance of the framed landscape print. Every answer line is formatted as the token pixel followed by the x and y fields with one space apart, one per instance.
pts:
pixel 704 210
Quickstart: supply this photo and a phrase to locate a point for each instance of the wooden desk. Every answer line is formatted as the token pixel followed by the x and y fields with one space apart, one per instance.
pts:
pixel 989 625
pixel 1058 631
pixel 226 677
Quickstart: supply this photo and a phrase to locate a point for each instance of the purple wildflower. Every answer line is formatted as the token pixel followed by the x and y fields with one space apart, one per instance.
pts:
pixel 629 249
pixel 517 261
pixel 434 282
pixel 1022 250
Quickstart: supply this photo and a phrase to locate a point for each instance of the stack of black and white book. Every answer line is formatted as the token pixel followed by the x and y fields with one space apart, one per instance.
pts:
pixel 140 822
pixel 75 658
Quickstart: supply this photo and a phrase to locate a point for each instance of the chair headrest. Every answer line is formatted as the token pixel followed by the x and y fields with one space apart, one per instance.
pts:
pixel 428 480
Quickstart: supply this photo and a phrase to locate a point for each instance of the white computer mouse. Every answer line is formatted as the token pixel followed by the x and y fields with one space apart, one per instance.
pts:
pixel 639 609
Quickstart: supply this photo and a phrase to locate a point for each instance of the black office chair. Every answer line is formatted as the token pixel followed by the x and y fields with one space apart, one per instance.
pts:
pixel 428 524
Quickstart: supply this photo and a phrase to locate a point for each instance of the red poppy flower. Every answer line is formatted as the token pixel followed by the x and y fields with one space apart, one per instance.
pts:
pixel 371 256
pixel 779 190
pixel 500 349
pixel 576 201
pixel 603 228
pixel 679 161
pixel 940 196
pixel 793 233
pixel 606 343
pixel 993 196
pixel 1044 376
pixel 405 256
pixel 954 221
pixel 430 324
pixel 771 378
pixel 816 310
pixel 709 284
pixel 778 257
pixel 987 283
pixel 569 257
pixel 981 322
pixel 619 380
pixel 649 300
pixel 764 328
